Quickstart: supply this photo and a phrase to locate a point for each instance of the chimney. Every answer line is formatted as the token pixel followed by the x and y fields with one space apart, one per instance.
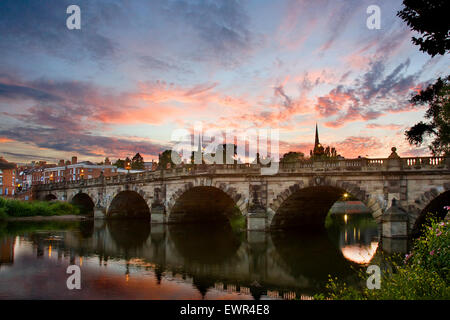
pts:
pixel 74 160
pixel 61 163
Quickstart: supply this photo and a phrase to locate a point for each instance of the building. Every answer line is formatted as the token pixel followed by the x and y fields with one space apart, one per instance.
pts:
pixel 151 166
pixel 320 152
pixel 37 171
pixel 8 176
pixel 74 171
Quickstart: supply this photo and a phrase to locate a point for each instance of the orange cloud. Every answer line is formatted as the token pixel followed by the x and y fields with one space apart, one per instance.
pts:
pixel 4 140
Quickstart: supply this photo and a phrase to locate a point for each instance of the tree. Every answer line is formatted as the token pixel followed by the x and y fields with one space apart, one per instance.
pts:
pixel 437 96
pixel 430 19
pixel 165 159
pixel 119 163
pixel 292 156
pixel 137 163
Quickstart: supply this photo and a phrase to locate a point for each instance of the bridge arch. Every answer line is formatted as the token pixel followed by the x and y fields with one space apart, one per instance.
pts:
pixel 50 197
pixel 315 200
pixel 84 202
pixel 431 201
pixel 196 202
pixel 128 204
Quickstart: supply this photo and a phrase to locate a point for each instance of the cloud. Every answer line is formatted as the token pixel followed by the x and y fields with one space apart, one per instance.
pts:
pixel 5 140
pixel 390 126
pixel 151 63
pixel 370 96
pixel 221 26
pixel 13 92
pixel 352 147
pixel 41 27
pixel 82 143
pixel 337 21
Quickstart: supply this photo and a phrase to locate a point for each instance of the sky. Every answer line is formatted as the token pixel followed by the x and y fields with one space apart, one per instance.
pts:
pixel 138 70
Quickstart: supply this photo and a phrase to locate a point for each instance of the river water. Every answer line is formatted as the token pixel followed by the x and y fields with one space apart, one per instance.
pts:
pixel 131 259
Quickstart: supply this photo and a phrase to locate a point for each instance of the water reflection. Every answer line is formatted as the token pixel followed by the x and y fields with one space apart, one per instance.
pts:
pixel 133 260
pixel 357 236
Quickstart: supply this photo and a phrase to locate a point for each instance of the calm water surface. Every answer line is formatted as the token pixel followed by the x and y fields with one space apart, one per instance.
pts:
pixel 123 259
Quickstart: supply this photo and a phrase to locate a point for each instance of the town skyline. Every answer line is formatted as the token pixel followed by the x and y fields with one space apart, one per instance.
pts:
pixel 122 85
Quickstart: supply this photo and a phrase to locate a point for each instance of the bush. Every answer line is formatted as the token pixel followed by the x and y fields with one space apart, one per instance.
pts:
pixel 3 214
pixel 16 208
pixel 432 250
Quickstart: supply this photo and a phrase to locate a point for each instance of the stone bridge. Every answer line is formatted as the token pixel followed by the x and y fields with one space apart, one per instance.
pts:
pixel 300 194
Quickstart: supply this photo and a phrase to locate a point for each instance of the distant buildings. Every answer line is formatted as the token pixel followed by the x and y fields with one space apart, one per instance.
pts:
pixel 8 174
pixel 74 171
pixel 17 181
pixel 320 152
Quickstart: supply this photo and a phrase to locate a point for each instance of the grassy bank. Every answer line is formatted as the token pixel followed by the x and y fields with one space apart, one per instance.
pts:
pixel 16 208
pixel 424 273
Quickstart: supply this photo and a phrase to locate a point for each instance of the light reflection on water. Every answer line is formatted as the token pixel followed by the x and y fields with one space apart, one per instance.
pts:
pixel 132 260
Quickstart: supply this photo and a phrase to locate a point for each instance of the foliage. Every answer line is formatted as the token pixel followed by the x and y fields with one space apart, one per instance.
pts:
pixel 292 156
pixel 3 214
pixel 238 221
pixel 165 159
pixel 16 208
pixel 437 96
pixel 423 274
pixel 430 19
pixel 119 163
pixel 137 162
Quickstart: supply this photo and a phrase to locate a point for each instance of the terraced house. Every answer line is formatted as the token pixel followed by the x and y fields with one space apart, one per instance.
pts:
pixel 8 172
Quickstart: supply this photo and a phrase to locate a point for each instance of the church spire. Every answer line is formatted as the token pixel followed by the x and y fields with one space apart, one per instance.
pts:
pixel 316 142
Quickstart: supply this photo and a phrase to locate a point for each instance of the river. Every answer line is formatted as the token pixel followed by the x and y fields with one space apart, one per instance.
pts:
pixel 131 259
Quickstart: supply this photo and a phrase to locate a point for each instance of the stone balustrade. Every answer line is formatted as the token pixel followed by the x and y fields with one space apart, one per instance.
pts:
pixel 306 166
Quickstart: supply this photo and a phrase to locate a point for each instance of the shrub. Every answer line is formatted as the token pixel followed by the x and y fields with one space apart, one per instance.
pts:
pixel 16 208
pixel 3 214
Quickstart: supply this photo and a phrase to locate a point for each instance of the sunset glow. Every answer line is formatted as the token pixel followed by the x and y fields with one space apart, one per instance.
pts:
pixel 138 70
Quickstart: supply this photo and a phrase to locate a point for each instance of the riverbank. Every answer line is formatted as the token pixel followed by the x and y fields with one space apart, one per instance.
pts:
pixel 37 210
pixel 68 217
pixel 424 273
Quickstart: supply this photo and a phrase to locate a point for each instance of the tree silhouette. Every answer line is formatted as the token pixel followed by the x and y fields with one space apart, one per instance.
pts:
pixel 165 160
pixel 437 96
pixel 292 156
pixel 119 163
pixel 430 19
pixel 137 163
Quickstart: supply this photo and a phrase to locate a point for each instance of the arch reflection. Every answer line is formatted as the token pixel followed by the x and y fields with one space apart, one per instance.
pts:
pixel 356 236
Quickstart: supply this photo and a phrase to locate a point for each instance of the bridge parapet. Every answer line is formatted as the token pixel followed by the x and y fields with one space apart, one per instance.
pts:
pixel 307 166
